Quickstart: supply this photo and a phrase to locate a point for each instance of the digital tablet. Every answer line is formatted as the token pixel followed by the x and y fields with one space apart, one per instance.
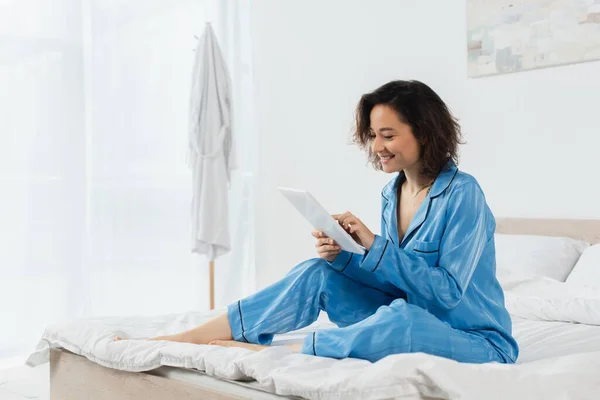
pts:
pixel 320 219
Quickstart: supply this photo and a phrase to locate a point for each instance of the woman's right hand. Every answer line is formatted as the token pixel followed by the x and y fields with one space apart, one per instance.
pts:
pixel 327 248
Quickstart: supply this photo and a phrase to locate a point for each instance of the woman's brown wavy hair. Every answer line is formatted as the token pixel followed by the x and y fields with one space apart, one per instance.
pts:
pixel 432 123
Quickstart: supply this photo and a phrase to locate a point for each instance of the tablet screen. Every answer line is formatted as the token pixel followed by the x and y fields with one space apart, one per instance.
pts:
pixel 320 219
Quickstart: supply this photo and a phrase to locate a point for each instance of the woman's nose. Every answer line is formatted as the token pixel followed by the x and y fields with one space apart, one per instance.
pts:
pixel 377 145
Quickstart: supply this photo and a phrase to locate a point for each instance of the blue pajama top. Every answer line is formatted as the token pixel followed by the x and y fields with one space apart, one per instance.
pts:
pixel 446 262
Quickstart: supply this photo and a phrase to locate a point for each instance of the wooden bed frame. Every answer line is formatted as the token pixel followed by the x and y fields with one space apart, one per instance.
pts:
pixel 580 229
pixel 73 377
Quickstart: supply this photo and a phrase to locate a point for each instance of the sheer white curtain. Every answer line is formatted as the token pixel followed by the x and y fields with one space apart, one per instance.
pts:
pixel 95 188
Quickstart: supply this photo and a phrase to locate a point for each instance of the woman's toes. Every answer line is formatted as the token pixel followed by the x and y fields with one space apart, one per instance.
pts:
pixel 117 338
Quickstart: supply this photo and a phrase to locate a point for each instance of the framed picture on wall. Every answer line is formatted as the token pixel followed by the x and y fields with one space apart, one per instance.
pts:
pixel 506 36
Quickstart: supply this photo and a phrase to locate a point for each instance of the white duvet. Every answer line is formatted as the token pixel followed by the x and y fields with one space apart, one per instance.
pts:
pixel 531 300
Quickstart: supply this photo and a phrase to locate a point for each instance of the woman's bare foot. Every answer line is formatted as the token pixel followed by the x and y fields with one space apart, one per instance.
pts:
pixel 171 338
pixel 233 343
pixel 215 329
pixel 251 346
pixel 296 348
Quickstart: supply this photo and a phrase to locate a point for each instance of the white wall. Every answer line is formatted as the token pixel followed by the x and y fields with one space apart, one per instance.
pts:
pixel 533 137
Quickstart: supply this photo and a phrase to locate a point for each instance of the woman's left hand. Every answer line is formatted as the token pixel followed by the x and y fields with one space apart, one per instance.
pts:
pixel 354 226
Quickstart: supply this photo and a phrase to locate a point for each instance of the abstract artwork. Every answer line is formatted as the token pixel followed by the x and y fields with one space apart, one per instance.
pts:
pixel 507 36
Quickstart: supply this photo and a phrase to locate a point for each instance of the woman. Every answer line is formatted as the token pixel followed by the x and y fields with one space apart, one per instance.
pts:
pixel 426 284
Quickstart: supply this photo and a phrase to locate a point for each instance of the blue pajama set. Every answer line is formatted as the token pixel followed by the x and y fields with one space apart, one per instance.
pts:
pixel 434 292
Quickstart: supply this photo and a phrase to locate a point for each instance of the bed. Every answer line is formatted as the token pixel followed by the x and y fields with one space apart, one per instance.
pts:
pixel 559 339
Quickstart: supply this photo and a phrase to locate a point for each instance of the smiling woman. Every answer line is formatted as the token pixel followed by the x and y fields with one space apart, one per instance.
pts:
pixel 426 284
pixel 418 120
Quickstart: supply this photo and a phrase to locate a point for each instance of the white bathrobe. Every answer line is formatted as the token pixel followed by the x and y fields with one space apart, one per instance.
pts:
pixel 210 141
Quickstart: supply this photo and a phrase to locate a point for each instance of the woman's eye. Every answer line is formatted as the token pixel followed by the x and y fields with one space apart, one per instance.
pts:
pixel 388 137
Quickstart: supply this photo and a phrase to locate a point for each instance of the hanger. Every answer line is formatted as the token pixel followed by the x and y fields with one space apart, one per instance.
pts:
pixel 196 36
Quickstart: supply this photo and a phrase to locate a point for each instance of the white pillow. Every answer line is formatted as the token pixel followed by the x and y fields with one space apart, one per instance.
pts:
pixel 552 257
pixel 587 269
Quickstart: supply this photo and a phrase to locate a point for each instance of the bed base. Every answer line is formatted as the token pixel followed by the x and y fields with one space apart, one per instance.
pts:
pixel 73 377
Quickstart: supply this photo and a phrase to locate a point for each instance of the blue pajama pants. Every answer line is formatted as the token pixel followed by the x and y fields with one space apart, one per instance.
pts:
pixel 373 317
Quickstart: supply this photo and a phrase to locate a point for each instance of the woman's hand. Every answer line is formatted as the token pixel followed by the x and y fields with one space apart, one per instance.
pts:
pixel 327 248
pixel 354 226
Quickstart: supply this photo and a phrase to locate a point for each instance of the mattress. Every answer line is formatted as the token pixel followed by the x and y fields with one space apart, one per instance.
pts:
pixel 556 325
pixel 537 340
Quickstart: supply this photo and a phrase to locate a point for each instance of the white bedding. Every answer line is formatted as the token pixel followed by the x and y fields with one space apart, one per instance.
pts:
pixel 571 372
pixel 544 339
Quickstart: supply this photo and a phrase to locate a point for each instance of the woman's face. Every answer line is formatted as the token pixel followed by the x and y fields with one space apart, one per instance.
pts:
pixel 392 140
